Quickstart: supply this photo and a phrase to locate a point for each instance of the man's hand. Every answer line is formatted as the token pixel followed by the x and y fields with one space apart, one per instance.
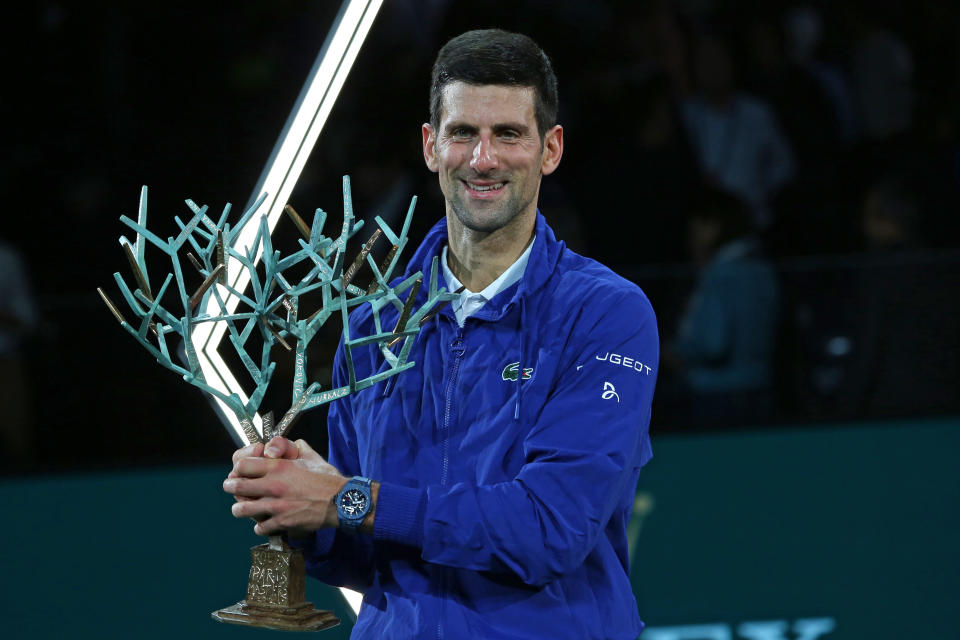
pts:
pixel 285 486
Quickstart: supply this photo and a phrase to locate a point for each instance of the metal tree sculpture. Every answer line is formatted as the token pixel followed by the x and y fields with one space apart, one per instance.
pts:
pixel 274 311
pixel 273 307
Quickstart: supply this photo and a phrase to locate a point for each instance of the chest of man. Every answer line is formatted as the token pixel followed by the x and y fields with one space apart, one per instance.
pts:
pixel 463 412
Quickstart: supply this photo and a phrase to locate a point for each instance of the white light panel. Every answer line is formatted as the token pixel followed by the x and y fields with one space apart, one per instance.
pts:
pixel 278 180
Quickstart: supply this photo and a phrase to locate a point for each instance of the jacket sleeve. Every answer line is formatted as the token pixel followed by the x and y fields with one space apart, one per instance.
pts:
pixel 582 456
pixel 334 557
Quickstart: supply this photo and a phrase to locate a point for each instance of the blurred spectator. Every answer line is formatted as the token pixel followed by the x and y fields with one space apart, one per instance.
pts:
pixel 881 66
pixel 889 215
pixel 803 30
pixel 654 167
pixel 18 317
pixel 814 212
pixel 724 344
pixel 904 314
pixel 737 138
pixel 796 96
pixel 935 170
pixel 658 43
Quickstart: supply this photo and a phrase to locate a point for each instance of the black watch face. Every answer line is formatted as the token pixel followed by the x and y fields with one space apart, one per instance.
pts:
pixel 353 502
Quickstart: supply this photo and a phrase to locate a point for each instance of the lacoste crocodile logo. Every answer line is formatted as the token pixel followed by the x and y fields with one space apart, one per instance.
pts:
pixel 510 372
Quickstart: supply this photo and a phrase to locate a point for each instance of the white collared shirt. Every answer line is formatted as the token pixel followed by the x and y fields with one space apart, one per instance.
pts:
pixel 469 302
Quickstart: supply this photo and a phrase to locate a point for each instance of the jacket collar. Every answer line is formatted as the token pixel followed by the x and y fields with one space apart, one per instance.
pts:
pixel 544 255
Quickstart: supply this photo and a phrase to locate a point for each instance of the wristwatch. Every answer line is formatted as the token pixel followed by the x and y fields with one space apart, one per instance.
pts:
pixel 354 503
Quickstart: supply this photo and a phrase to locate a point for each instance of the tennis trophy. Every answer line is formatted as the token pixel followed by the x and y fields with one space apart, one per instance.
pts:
pixel 288 300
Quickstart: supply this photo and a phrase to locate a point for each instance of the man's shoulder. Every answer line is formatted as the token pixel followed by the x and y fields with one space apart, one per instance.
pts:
pixel 582 282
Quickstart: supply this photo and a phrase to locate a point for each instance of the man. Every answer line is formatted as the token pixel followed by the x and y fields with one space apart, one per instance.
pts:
pixel 723 349
pixel 504 465
pixel 737 138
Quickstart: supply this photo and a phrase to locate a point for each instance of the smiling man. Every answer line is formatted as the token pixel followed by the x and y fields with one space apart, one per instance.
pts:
pixel 487 148
pixel 486 492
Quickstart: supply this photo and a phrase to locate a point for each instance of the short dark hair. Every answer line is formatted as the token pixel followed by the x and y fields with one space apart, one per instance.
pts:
pixel 493 56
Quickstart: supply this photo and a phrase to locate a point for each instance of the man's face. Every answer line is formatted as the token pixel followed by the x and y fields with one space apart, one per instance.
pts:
pixel 489 155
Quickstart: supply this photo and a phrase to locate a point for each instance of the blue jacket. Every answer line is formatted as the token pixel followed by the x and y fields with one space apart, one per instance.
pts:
pixel 508 460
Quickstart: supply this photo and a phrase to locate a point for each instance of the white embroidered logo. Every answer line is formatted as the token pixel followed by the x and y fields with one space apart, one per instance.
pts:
pixel 609 391
pixel 630 363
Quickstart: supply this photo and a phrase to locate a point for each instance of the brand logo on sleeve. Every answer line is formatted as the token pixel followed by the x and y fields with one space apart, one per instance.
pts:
pixel 625 361
pixel 609 391
pixel 511 370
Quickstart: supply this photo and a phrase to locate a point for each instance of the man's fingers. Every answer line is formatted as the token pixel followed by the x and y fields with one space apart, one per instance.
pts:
pixel 314 459
pixel 254 450
pixel 230 476
pixel 280 447
pixel 267 527
pixel 259 510
pixel 264 512
pixel 253 487
pixel 256 467
pixel 302 445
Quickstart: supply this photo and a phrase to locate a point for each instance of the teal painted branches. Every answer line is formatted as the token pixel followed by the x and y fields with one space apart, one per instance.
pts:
pixel 288 299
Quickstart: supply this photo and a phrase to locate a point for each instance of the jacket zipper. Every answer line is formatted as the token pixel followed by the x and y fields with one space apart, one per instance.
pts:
pixel 457 349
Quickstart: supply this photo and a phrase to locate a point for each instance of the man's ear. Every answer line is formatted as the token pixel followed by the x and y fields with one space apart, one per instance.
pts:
pixel 552 150
pixel 429 147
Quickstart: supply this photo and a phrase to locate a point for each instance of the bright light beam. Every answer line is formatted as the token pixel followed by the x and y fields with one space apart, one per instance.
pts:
pixel 278 179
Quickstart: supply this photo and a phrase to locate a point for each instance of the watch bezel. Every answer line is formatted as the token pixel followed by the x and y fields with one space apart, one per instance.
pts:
pixel 348 521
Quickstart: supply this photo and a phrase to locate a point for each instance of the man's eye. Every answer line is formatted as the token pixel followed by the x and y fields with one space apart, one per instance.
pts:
pixel 460 132
pixel 509 135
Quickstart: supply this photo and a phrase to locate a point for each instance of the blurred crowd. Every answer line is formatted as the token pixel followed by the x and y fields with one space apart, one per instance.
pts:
pixel 781 177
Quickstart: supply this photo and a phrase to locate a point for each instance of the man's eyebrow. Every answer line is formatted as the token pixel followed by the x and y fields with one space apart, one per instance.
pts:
pixel 519 127
pixel 453 126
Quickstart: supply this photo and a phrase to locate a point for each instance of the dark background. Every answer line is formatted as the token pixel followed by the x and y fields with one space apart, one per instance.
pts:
pixel 836 504
pixel 189 98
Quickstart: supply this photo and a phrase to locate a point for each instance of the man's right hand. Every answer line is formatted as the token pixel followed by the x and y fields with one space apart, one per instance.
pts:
pixel 284 486
pixel 279 448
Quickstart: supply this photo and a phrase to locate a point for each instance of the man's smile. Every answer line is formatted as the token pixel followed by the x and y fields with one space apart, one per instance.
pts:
pixel 484 188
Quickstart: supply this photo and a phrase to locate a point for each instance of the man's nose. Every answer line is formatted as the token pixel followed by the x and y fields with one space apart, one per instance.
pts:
pixel 484 156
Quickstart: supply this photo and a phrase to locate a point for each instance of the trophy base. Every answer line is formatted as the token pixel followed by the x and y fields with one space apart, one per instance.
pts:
pixel 303 617
pixel 276 593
